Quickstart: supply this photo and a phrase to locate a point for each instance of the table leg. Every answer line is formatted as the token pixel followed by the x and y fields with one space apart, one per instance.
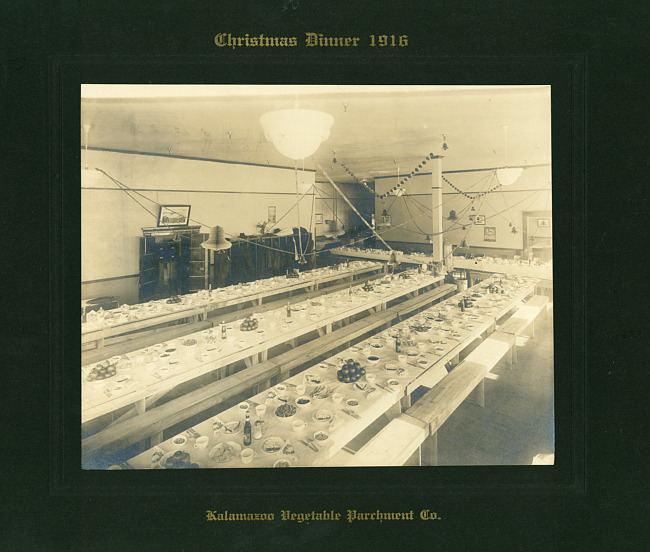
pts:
pixel 429 451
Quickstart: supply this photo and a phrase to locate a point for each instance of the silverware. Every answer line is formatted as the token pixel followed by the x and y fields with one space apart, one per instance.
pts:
pixel 384 388
pixel 311 441
pixel 350 413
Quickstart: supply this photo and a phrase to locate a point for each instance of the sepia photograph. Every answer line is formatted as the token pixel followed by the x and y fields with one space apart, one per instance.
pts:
pixel 300 276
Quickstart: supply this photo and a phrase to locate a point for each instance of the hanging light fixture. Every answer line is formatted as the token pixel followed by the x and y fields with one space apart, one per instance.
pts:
pixel 507 175
pixel 216 240
pixel 428 239
pixel 452 215
pixel 296 133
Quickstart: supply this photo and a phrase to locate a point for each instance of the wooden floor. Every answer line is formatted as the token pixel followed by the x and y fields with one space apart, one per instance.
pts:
pixel 517 421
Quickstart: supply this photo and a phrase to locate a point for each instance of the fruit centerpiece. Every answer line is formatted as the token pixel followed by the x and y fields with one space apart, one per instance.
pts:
pixel 174 299
pixel 104 370
pixel 350 372
pixel 249 324
pixel 367 287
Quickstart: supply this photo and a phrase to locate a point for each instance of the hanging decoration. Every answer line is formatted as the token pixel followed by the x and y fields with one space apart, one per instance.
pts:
pixel 361 182
pixel 471 195
pixel 399 189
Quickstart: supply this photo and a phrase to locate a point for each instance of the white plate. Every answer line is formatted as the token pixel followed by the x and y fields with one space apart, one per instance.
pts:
pixel 323 415
pixel 164 458
pixel 272 445
pixel 232 428
pixel 224 452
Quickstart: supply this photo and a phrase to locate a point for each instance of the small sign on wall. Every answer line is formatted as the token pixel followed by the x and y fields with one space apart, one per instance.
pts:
pixel 319 218
pixel 479 219
pixel 272 214
pixel 543 223
pixel 490 234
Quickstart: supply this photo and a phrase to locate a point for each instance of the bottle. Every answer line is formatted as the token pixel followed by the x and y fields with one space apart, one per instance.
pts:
pixel 223 330
pixel 248 430
pixel 398 347
pixel 210 290
pixel 462 305
pixel 288 310
pixel 349 291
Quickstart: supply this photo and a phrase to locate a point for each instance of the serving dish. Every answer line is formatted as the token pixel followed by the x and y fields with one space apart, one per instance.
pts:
pixel 224 452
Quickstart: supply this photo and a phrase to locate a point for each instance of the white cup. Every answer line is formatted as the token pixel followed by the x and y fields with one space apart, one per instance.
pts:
pixel 402 358
pixel 260 410
pixel 299 425
pixel 247 455
pixel 337 397
pixel 370 378
pixel 201 442
pixel 300 389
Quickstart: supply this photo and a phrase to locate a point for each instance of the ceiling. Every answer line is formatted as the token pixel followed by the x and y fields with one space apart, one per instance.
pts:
pixel 378 130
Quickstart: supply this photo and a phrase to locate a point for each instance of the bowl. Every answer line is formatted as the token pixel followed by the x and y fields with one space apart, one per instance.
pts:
pixel 372 359
pixel 179 440
pixel 352 402
pixel 321 437
pixel 281 387
pixel 243 406
pixel 285 412
pixel 303 401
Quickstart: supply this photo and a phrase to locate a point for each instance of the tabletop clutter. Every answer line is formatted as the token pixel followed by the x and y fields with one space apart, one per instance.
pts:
pixel 309 417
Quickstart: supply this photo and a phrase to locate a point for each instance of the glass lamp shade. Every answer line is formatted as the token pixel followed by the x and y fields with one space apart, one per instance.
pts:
pixel 508 175
pixel 296 133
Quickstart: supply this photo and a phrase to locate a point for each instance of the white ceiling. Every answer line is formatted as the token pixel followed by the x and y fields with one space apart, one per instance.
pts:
pixel 377 129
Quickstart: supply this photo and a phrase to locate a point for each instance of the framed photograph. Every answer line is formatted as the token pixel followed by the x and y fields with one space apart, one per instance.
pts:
pixel 544 223
pixel 319 218
pixel 490 234
pixel 272 212
pixel 174 215
pixel 386 219
pixel 479 219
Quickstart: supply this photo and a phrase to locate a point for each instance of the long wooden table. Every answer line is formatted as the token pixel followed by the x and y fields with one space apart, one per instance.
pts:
pixel 197 306
pixel 448 332
pixel 383 255
pixel 512 268
pixel 143 376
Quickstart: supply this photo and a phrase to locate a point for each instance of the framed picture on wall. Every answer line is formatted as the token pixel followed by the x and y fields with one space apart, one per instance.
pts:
pixel 490 234
pixel 543 223
pixel 319 218
pixel 174 215
pixel 479 219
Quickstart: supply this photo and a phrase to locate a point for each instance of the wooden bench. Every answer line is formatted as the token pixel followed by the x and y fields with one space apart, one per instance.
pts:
pixel 423 301
pixel 412 437
pixel 524 318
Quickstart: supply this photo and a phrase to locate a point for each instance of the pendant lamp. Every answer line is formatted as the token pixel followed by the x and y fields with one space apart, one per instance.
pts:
pixel 216 240
pixel 296 133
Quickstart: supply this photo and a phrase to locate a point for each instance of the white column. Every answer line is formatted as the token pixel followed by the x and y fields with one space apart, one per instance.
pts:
pixel 436 209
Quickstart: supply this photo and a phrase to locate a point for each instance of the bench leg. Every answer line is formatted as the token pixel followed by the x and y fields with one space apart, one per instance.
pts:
pixel 508 358
pixel 429 451
pixel 406 402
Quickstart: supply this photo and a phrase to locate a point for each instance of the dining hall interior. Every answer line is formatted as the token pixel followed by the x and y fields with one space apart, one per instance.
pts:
pixel 316 276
